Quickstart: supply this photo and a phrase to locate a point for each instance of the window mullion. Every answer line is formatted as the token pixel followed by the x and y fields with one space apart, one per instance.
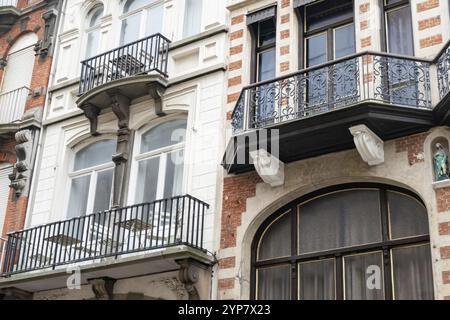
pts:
pixel 91 197
pixel 339 279
pixel 161 176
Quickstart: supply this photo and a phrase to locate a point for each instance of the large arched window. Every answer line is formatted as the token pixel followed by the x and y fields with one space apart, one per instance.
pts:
pixel 160 162
pixel 94 31
pixel 91 179
pixel 141 18
pixel 362 242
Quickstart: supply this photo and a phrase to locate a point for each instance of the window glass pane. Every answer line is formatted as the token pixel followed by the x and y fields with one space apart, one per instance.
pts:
pixel 344 41
pixel 92 43
pixel 79 193
pixel 408 217
pixel 364 277
pixel 192 17
pixel 316 50
pixel 274 283
pixel 400 33
pixel 267 32
pixel 173 182
pixel 328 12
pixel 266 65
pixel 155 19
pixel 103 188
pixel 164 135
pixel 317 280
pixel 147 184
pixel 132 5
pixel 95 154
pixel 130 29
pixel 96 17
pixel 412 273
pixel 340 219
pixel 276 241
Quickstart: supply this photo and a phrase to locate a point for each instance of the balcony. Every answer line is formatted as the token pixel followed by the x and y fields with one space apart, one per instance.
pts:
pixel 313 109
pixel 132 68
pixel 9 13
pixel 177 221
pixel 12 107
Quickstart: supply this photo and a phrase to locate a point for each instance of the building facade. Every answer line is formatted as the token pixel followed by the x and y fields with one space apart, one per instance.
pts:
pixel 124 198
pixel 241 149
pixel 336 158
pixel 26 52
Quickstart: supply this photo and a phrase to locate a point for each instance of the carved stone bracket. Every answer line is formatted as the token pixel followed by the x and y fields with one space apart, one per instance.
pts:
pixel 91 112
pixel 368 144
pixel 103 288
pixel 20 175
pixel 3 63
pixel 15 294
pixel 189 276
pixel 269 168
pixel 156 91
pixel 43 47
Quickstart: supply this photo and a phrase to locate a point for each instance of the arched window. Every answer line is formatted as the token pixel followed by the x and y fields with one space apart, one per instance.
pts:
pixel 91 179
pixel 141 18
pixel 93 31
pixel 161 162
pixel 363 242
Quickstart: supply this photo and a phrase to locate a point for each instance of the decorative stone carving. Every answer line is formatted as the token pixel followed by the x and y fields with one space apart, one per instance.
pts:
pixel 43 47
pixel 103 288
pixel 189 275
pixel 156 91
pixel 440 161
pixel 3 63
pixel 269 168
pixel 20 174
pixel 91 112
pixel 368 144
pixel 15 294
pixel 177 287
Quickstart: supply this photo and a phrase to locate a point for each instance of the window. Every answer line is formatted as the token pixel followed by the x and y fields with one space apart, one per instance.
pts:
pixel 91 179
pixel 341 238
pixel 192 17
pixel 399 32
pixel 5 171
pixel 329 34
pixel 160 163
pixel 141 18
pixel 93 31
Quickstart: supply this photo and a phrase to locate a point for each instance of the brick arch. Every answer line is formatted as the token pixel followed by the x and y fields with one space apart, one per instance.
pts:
pixel 10 42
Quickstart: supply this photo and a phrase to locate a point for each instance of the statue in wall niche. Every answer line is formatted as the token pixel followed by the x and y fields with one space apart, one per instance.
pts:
pixel 441 163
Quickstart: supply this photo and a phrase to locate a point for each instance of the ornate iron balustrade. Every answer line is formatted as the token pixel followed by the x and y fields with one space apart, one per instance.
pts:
pixel 143 227
pixel 443 72
pixel 139 57
pixel 8 3
pixel 12 105
pixel 384 78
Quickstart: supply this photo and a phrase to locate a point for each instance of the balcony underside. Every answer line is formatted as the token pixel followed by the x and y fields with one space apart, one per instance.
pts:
pixel 151 262
pixel 8 17
pixel 132 87
pixel 329 132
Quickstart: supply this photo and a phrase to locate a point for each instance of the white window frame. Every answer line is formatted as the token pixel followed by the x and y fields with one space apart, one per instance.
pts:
pixel 163 153
pixel 143 12
pixel 96 28
pixel 92 172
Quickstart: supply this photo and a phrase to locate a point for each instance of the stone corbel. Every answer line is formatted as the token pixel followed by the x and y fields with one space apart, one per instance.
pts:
pixel 189 275
pixel 156 91
pixel 3 63
pixel 269 168
pixel 15 294
pixel 120 105
pixel 91 112
pixel 43 47
pixel 103 288
pixel 20 175
pixel 368 144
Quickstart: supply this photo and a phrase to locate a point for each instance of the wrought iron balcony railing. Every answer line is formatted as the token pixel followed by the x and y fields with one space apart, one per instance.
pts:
pixel 8 3
pixel 12 105
pixel 143 227
pixel 368 76
pixel 139 57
